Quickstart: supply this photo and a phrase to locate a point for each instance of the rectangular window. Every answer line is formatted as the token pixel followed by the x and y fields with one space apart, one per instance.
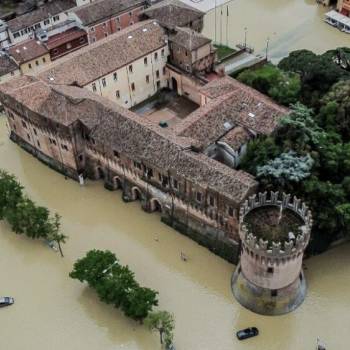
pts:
pixel 44 59
pixel 56 18
pixel 270 269
pixel 38 143
pixel 37 63
pixel 28 137
pixel 16 35
pixel 104 25
pixel 35 133
pixel 46 22
pixel 118 20
pixel 116 154
pixel 117 94
pixel 93 87
pixel 133 86
pixel 211 200
pixel 199 196
pixel 24 124
pixel 106 34
pixel 147 79
pixel 162 52
pixel 130 68
pixel 175 184
pixel 156 56
pixel 164 71
pixel 29 65
pixel 104 83
pixel 158 84
pixel 145 61
pixel 157 74
pixel 274 292
pixel 115 76
pixel 230 211
pixel 92 29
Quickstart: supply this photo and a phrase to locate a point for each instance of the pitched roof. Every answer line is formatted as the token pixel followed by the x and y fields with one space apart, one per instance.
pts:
pixel 120 129
pixel 233 104
pixel 173 13
pixel 65 37
pixel 98 11
pixel 7 65
pixel 236 137
pixel 49 9
pixel 106 55
pixel 189 39
pixel 27 50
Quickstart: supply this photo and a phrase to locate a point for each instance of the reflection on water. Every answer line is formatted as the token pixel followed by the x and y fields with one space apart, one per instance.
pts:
pixel 54 312
pixel 289 25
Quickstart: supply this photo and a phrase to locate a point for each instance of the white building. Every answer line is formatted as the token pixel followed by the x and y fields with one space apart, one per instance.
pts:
pixel 127 67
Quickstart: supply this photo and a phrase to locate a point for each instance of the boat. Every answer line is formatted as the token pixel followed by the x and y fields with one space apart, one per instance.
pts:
pixel 247 333
pixel 338 20
pixel 6 301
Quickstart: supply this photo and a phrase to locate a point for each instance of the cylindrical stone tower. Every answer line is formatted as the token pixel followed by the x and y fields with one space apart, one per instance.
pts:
pixel 274 233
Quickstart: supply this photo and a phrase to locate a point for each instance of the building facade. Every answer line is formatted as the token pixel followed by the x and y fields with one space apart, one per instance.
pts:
pixel 127 67
pixel 105 17
pixel 79 133
pixel 343 7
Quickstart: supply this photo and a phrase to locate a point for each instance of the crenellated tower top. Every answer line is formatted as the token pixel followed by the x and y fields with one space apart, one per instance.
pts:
pixel 275 226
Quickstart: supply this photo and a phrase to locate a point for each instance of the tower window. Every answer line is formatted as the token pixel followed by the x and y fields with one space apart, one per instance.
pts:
pixel 270 269
pixel 274 293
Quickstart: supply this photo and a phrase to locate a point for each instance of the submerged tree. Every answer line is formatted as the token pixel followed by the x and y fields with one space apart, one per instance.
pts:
pixel 10 192
pixel 164 323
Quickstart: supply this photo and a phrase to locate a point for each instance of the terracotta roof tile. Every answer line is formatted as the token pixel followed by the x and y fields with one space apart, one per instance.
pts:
pixel 106 55
pixel 7 65
pixel 49 9
pixel 189 39
pixel 27 50
pixel 101 10
pixel 173 13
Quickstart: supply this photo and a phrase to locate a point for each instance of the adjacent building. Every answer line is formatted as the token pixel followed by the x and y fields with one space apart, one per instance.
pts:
pixel 343 7
pixel 174 13
pixel 8 68
pixel 127 67
pixel 4 35
pixel 51 13
pixel 191 51
pixel 30 55
pixel 105 17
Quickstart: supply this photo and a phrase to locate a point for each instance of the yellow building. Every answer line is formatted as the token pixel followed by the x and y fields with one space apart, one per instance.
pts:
pixel 30 55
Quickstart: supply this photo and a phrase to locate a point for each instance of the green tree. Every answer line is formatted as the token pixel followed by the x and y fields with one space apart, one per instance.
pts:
pixel 288 167
pixel 343 210
pixel 55 234
pixel 10 193
pixel 164 323
pixel 29 219
pixel 270 80
pixel 91 268
pixel 318 73
pixel 335 109
pixel 139 302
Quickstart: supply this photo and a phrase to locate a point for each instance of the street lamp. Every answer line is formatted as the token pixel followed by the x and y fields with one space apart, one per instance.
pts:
pixel 267 47
pixel 109 267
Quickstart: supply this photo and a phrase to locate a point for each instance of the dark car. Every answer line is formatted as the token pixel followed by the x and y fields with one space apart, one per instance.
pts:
pixel 247 333
pixel 6 301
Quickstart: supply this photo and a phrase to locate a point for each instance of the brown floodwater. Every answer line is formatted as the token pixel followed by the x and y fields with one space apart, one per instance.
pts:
pixel 290 25
pixel 54 312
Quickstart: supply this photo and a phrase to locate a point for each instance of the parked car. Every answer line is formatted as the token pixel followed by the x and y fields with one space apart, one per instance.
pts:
pixel 6 301
pixel 247 333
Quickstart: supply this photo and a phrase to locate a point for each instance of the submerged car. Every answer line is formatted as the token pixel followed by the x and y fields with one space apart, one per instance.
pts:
pixel 6 301
pixel 247 333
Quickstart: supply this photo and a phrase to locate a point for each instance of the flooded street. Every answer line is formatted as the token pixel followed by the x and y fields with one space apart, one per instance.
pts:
pixel 54 312
pixel 290 25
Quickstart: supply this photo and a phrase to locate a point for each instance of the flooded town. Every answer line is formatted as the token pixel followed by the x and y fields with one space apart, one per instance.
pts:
pixel 224 198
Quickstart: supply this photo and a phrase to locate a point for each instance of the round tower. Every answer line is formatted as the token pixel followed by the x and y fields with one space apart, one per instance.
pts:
pixel 274 232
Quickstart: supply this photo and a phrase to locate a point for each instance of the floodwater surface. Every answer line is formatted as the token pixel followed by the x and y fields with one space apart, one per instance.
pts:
pixel 289 25
pixel 54 312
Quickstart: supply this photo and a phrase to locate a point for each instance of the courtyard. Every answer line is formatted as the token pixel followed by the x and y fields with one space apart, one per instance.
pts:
pixel 165 108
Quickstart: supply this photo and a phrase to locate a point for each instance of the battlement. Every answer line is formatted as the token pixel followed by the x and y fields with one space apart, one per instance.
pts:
pixel 285 248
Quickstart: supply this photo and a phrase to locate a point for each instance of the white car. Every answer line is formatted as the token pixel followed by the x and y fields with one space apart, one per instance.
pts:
pixel 6 301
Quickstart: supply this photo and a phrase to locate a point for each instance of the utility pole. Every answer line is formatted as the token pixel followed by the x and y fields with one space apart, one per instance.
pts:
pixel 267 47
pixel 227 25
pixel 220 25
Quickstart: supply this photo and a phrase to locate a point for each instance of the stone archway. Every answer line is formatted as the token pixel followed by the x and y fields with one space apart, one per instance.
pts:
pixel 155 205
pixel 99 173
pixel 136 194
pixel 117 184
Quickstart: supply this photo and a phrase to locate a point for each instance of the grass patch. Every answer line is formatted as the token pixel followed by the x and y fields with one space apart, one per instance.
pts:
pixel 224 51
